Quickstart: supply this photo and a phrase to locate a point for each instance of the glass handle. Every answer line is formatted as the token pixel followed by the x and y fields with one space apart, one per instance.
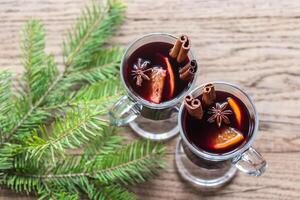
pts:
pixel 124 111
pixel 177 107
pixel 251 162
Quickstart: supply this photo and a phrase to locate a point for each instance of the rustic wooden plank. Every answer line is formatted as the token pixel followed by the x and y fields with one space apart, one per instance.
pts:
pixel 281 181
pixel 251 43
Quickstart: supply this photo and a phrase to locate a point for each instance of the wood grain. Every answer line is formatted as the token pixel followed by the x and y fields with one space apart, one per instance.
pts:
pixel 255 44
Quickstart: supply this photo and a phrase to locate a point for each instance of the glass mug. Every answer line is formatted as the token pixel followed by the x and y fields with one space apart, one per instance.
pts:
pixel 208 171
pixel 149 120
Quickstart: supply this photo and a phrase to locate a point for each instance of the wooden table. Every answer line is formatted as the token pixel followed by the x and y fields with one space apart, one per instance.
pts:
pixel 255 44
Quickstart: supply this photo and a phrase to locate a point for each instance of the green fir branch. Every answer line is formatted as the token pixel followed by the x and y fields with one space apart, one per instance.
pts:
pixel 95 74
pixel 108 192
pixel 93 27
pixel 104 28
pixel 77 127
pixel 101 94
pixel 55 193
pixel 31 111
pixel 53 114
pixel 103 67
pixel 134 163
pixel 5 103
pixel 105 144
pixel 8 152
pixel 40 69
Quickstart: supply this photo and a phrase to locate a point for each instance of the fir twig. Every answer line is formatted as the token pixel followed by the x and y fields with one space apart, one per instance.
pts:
pixel 93 27
pixel 5 103
pixel 93 23
pixel 76 128
pixel 54 113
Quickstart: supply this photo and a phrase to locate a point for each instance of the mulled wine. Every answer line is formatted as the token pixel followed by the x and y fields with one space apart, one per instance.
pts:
pixel 156 75
pixel 223 124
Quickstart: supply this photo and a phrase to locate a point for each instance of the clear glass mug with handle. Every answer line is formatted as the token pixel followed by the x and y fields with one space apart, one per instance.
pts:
pixel 208 171
pixel 149 120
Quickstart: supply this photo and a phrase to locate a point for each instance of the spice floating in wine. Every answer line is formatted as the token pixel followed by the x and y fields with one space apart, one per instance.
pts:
pixel 168 65
pixel 139 71
pixel 188 71
pixel 226 138
pixel 158 76
pixel 235 108
pixel 209 95
pixel 193 106
pixel 219 114
pixel 225 123
pixel 142 65
pixel 180 48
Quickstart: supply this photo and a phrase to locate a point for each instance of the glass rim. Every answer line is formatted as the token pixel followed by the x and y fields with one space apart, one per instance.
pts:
pixel 139 99
pixel 232 154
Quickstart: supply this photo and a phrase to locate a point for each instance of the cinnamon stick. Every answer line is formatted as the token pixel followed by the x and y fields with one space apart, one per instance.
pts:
pixel 187 75
pixel 184 49
pixel 188 71
pixel 187 66
pixel 189 98
pixel 209 94
pixel 193 107
pixel 176 48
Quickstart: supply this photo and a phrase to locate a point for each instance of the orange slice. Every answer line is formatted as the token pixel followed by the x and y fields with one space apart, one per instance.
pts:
pixel 226 138
pixel 170 72
pixel 236 110
pixel 172 77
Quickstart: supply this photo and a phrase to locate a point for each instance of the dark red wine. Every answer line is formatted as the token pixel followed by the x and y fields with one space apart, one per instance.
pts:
pixel 153 58
pixel 203 134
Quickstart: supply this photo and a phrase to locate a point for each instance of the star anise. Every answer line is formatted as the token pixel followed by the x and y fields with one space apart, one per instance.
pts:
pixel 139 71
pixel 219 114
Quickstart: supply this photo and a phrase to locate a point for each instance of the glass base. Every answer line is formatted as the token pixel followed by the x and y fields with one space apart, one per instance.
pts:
pixel 157 130
pixel 204 179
